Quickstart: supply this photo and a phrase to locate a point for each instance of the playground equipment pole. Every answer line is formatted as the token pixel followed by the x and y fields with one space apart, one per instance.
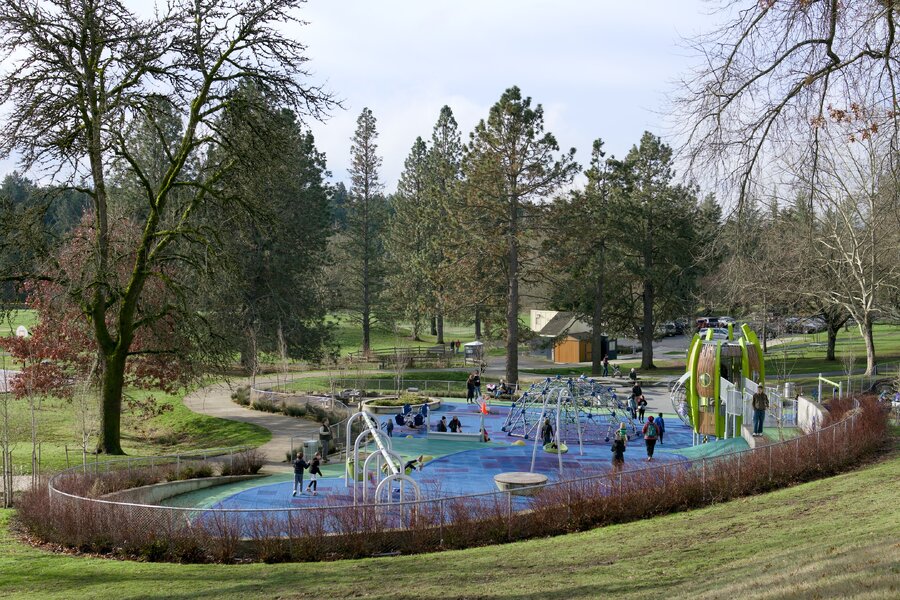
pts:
pixel 558 440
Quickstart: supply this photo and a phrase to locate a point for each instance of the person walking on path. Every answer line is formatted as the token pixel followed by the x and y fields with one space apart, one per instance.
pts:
pixel 651 434
pixel 546 431
pixel 618 448
pixel 476 381
pixel 606 365
pixel 314 472
pixel 760 404
pixel 660 427
pixel 299 465
pixel 642 406
pixel 470 388
pixel 389 427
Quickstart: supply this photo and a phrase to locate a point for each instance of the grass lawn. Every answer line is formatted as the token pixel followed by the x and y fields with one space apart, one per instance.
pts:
pixel 348 334
pixel 833 538
pixel 177 430
pixel 14 318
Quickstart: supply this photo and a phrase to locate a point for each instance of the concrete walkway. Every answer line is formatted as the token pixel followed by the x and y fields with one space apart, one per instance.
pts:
pixel 215 401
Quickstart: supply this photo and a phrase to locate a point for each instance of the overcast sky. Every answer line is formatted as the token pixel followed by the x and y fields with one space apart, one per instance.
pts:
pixel 600 68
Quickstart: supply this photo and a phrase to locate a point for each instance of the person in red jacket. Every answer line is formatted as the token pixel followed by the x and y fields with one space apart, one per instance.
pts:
pixel 651 434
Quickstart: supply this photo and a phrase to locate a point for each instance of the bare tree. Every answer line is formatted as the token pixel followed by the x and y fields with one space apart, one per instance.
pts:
pixel 771 71
pixel 855 193
pixel 80 72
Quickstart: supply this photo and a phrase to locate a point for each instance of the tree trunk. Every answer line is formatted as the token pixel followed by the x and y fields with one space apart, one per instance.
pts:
pixel 111 387
pixel 865 328
pixel 647 334
pixel 440 329
pixel 832 341
pixel 477 322
pixel 366 309
pixel 597 330
pixel 434 326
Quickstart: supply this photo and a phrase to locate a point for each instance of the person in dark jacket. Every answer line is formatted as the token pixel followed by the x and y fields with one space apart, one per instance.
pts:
pixel 546 431
pixel 470 389
pixel 455 425
pixel 661 427
pixel 299 466
pixel 476 381
pixel 314 472
pixel 442 425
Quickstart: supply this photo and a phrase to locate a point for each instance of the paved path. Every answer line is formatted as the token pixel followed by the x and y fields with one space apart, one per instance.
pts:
pixel 215 401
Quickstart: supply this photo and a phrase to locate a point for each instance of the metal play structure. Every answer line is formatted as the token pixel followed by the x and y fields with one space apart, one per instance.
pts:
pixel 580 411
pixel 386 465
pixel 709 396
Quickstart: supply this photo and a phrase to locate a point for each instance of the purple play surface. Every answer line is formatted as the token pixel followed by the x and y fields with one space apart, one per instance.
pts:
pixel 471 471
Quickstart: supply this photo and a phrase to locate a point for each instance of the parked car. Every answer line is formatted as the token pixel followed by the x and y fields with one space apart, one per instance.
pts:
pixel 805 325
pixel 719 333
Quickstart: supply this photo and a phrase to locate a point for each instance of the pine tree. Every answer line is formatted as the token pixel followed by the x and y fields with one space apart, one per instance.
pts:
pixel 510 163
pixel 362 242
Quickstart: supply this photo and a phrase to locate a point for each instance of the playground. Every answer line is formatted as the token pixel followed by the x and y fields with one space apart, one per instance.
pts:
pixel 494 438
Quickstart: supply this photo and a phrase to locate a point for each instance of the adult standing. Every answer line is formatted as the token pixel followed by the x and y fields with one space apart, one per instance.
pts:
pixel 299 466
pixel 389 427
pixel 760 405
pixel 325 440
pixel 642 406
pixel 606 365
pixel 651 434
pixel 660 427
pixel 476 381
pixel 470 388
pixel 637 394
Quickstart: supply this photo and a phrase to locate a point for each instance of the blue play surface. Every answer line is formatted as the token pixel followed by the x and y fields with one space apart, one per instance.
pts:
pixel 459 468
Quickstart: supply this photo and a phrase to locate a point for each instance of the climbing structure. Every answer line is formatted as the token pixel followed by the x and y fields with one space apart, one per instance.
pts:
pixel 718 370
pixel 584 410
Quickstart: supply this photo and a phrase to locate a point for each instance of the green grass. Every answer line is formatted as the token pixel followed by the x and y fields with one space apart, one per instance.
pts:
pixel 833 538
pixel 10 321
pixel 177 430
pixel 348 334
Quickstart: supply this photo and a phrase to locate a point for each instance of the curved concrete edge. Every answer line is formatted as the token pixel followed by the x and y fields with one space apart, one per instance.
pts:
pixel 157 492
pixel 810 414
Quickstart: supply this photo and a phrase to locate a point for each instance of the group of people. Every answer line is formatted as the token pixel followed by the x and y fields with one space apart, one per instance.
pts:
pixel 315 472
pixel 455 346
pixel 455 426
pixel 653 431
pixel 637 404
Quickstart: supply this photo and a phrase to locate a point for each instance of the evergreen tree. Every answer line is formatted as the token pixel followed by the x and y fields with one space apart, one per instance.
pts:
pixel 406 242
pixel 656 237
pixel 361 245
pixel 266 289
pixel 510 164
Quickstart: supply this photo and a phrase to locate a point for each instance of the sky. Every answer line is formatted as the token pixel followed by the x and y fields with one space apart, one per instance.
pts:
pixel 600 68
